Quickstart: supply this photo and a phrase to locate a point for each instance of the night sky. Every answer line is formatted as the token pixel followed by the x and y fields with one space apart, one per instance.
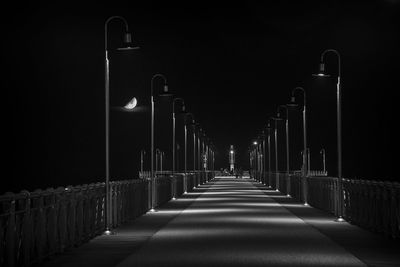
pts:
pixel 233 65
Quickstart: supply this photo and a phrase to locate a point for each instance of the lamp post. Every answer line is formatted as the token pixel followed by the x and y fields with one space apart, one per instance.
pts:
pixel 194 146
pixel 322 152
pixel 231 158
pixel 304 155
pixel 185 150
pixel 250 158
pixel 212 153
pixel 174 143
pixel 158 153
pixel 269 153
pixel 260 158
pixel 198 147
pixel 127 40
pixel 142 153
pixel 255 159
pixel 276 119
pixel 203 139
pixel 264 157
pixel 173 130
pixel 287 149
pixel 162 160
pixel 339 126
pixel 165 92
pixel 308 161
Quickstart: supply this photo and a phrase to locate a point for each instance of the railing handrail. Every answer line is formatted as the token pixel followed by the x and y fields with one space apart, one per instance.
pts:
pixel 34 225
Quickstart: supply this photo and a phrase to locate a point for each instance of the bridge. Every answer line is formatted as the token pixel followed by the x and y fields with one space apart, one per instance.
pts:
pixel 219 221
pixel 199 136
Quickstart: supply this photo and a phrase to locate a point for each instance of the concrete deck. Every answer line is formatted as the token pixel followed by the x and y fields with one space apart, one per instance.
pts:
pixel 234 222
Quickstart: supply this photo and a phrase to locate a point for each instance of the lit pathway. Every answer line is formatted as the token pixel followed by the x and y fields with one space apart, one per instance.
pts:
pixel 234 222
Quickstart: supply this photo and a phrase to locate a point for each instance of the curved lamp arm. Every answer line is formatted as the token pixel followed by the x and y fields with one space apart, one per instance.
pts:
pixel 192 117
pixel 303 91
pixel 282 107
pixel 338 57
pixel 175 100
pixel 128 37
pixel 152 81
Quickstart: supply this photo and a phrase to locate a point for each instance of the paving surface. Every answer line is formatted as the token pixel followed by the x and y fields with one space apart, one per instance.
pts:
pixel 234 222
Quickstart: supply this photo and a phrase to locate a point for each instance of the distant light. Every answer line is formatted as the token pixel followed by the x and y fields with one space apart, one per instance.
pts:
pixel 321 75
pixel 131 104
pixel 255 143
pixel 231 151
pixel 128 48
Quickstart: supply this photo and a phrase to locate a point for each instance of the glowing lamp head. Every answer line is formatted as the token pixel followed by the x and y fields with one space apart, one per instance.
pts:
pixel 231 152
pixel 127 38
pixel 255 143
pixel 321 71
pixel 292 103
pixel 165 91
pixel 131 104
pixel 128 43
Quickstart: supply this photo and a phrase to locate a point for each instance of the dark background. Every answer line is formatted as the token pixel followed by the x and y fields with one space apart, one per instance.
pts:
pixel 233 65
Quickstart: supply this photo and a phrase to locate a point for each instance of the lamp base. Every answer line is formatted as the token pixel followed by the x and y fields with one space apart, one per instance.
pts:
pixel 109 232
pixel 340 219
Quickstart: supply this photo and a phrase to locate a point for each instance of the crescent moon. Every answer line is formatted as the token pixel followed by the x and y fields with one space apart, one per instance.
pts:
pixel 131 104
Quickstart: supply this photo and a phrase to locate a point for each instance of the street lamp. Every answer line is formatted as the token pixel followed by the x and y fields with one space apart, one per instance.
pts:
pixel 185 151
pixel 294 104
pixel 127 40
pixel 158 157
pixel 174 141
pixel 194 125
pixel 142 153
pixel 287 148
pixel 304 155
pixel 254 159
pixel 339 127
pixel 212 162
pixel 173 129
pixel 199 133
pixel 269 154
pixel 231 158
pixel 264 156
pixel 164 93
pixel 276 119
pixel 308 161
pixel 322 152
pixel 203 143
pixel 260 158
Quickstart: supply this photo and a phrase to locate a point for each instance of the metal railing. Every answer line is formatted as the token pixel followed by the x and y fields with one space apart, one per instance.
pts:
pixel 35 225
pixel 373 205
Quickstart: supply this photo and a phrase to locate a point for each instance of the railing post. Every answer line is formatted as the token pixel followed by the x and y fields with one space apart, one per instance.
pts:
pixel 51 218
pixel 10 233
pixel 79 217
pixel 396 210
pixel 26 228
